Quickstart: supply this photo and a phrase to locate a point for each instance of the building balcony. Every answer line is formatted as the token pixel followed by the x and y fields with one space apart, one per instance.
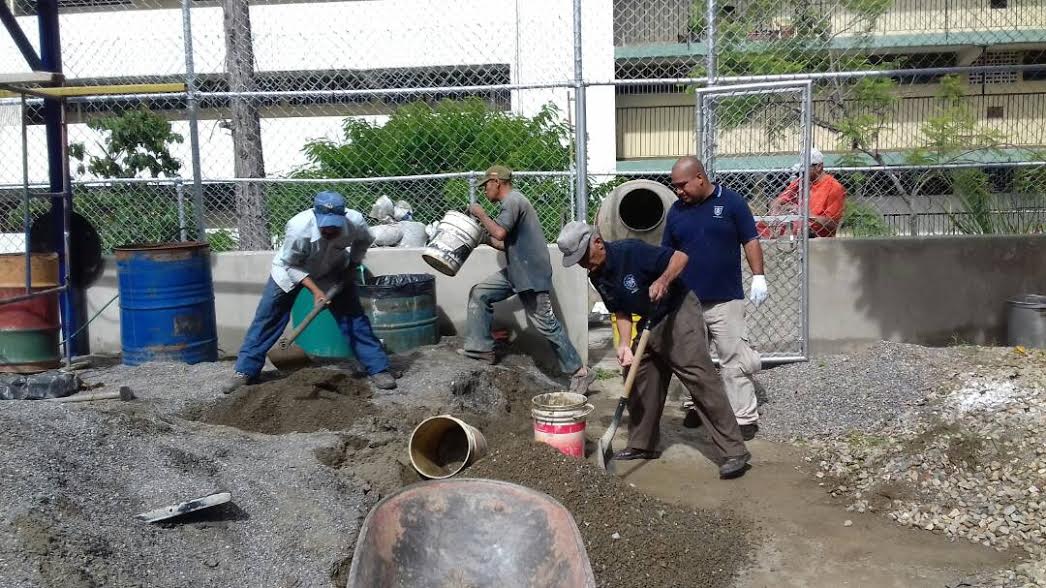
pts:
pixel 660 132
pixel 662 29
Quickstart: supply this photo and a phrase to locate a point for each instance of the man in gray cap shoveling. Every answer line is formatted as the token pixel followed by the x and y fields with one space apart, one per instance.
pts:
pixel 528 274
pixel 634 277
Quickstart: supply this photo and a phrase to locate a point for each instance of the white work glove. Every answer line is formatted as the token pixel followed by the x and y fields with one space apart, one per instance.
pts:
pixel 758 293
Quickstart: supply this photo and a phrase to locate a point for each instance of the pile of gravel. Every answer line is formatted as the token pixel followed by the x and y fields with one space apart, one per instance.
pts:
pixel 969 462
pixel 840 393
pixel 73 476
pixel 631 539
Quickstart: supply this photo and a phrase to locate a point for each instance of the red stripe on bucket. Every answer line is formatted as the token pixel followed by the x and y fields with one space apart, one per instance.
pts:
pixel 559 429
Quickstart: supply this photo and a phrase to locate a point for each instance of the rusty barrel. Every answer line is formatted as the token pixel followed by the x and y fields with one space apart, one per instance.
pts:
pixel 166 303
pixel 29 329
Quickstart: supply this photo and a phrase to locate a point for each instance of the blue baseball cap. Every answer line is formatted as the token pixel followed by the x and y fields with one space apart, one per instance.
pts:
pixel 330 209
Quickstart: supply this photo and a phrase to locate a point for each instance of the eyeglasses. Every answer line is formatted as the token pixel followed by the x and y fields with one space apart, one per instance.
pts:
pixel 679 186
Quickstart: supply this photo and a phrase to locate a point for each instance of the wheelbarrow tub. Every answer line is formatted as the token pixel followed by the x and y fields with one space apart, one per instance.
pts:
pixel 469 532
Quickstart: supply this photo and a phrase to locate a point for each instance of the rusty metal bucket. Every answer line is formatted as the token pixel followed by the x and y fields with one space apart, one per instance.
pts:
pixel 469 532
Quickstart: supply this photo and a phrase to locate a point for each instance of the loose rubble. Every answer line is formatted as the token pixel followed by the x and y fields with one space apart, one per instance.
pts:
pixel 968 461
pixel 835 394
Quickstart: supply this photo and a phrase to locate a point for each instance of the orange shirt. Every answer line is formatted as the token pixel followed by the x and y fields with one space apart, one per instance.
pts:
pixel 827 197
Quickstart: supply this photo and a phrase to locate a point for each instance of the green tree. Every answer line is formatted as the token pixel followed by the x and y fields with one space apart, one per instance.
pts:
pixel 451 136
pixel 133 143
pixel 136 143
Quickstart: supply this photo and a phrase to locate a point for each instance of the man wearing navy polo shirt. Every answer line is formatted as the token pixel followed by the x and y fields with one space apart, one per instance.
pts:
pixel 634 277
pixel 711 223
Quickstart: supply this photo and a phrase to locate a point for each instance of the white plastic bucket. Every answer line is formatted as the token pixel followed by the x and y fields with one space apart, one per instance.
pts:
pixel 456 236
pixel 441 446
pixel 560 421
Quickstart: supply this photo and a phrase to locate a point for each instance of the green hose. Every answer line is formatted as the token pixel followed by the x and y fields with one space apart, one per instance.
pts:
pixel 96 315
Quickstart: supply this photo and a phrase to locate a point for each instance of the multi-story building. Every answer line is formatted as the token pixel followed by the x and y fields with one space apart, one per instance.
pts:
pixel 376 44
pixel 655 39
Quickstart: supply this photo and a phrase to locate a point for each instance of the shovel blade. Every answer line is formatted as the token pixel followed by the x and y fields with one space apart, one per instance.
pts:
pixel 289 357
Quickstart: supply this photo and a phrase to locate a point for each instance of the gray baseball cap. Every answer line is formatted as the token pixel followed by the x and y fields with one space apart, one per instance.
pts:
pixel 573 241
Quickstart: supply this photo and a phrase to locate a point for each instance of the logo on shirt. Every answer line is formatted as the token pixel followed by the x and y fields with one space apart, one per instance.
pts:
pixel 630 284
pixel 717 211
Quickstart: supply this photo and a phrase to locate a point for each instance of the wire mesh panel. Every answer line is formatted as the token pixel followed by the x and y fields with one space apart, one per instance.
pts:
pixel 774 121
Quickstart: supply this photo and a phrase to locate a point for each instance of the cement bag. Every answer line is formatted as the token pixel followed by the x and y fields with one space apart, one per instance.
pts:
pixel 414 234
pixel 382 209
pixel 403 211
pixel 386 235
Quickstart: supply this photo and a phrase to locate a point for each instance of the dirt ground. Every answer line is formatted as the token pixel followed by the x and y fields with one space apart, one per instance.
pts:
pixel 307 455
pixel 805 541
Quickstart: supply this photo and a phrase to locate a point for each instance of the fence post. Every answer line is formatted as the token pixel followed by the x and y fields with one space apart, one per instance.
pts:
pixel 707 105
pixel 179 190
pixel 472 187
pixel 192 101
pixel 581 125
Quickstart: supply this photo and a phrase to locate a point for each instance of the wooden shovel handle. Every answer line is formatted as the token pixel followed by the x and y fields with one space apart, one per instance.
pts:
pixel 634 368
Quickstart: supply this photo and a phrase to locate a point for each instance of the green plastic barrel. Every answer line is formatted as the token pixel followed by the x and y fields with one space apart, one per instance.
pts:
pixel 401 308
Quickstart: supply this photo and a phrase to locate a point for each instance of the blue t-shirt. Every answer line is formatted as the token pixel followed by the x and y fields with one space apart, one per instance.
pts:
pixel 711 233
pixel 624 280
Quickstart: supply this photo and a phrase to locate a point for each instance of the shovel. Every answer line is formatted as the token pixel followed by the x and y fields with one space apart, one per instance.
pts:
pixel 605 450
pixel 288 356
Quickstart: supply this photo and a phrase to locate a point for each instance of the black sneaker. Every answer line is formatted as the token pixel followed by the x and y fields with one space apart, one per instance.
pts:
pixel 631 453
pixel 692 420
pixel 734 467
pixel 748 431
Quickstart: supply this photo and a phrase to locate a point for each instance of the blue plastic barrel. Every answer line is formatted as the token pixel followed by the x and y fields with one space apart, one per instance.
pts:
pixel 166 303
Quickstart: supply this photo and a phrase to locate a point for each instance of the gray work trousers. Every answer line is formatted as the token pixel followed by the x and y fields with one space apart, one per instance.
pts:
pixel 678 345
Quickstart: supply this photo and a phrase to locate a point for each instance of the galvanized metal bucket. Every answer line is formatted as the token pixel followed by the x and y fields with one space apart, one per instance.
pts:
pixel 1026 321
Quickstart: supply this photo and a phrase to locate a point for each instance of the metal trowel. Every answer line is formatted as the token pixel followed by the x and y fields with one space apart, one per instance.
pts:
pixel 285 355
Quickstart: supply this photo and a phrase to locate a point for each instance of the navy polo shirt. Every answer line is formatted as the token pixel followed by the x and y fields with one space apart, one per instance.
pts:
pixel 711 233
pixel 631 267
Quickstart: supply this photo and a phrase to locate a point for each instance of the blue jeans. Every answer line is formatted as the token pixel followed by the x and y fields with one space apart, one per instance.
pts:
pixel 274 312
pixel 539 310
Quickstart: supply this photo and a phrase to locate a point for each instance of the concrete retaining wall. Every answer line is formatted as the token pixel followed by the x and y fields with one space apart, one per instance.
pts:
pixel 239 278
pixel 932 291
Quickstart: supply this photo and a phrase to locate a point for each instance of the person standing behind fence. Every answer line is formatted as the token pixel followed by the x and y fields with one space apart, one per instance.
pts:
pixel 827 199
pixel 528 274
pixel 710 223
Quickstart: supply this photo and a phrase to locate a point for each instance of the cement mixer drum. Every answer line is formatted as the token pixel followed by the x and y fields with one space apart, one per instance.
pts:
pixel 635 210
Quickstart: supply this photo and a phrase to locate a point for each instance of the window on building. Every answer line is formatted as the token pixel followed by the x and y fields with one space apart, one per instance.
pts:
pixel 915 61
pixel 999 3
pixel 996 112
pixel 1035 58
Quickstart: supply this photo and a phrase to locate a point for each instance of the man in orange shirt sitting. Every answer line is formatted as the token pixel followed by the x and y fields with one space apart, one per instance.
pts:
pixel 827 197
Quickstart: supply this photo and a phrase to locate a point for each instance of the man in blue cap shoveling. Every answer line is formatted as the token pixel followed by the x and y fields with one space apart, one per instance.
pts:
pixel 323 246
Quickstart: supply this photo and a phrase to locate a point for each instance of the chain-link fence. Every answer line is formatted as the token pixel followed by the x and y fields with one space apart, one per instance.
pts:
pixel 220 120
pixel 389 89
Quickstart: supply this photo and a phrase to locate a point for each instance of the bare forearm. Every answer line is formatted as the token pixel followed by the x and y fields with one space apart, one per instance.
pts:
pixel 675 267
pixel 497 244
pixel 624 328
pixel 312 287
pixel 496 231
pixel 754 255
